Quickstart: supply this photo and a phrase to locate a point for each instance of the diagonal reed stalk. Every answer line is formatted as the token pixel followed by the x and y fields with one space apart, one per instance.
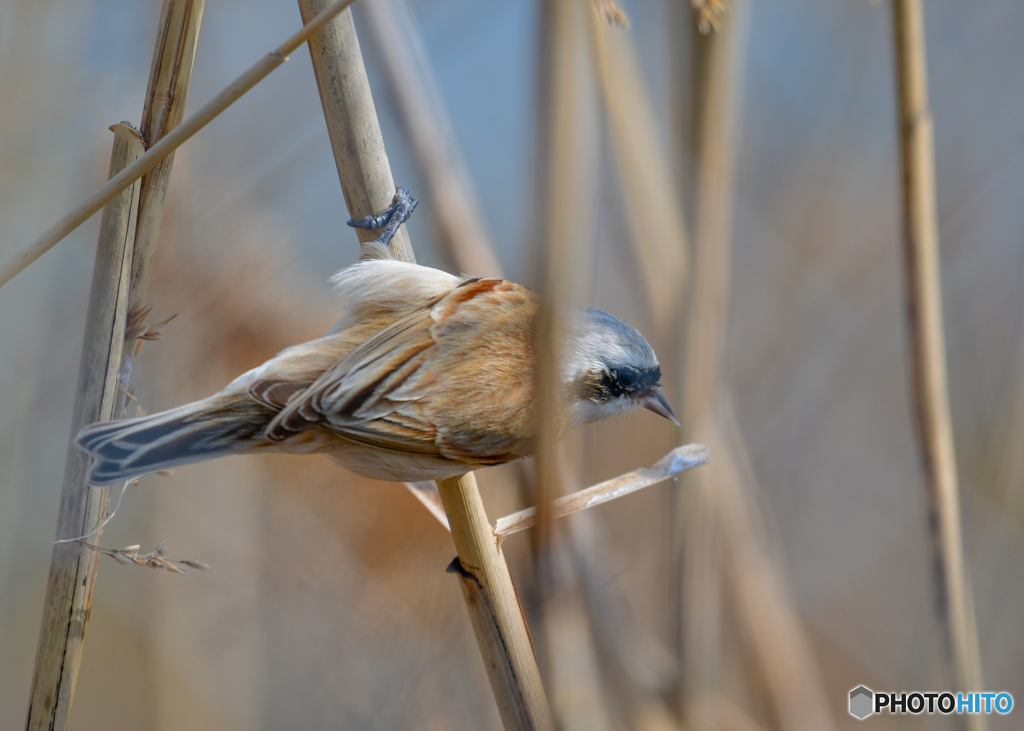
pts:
pixel 368 187
pixel 124 258
pixel 928 349
pixel 152 157
pixel 651 196
pixel 72 566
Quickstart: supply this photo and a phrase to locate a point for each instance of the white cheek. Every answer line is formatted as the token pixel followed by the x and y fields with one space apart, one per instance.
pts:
pixel 585 411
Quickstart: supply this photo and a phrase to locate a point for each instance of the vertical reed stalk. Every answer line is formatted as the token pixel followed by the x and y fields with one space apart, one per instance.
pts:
pixel 163 110
pixel 368 187
pixel 72 566
pixel 722 555
pixel 494 609
pixel 127 243
pixel 565 188
pixel 568 175
pixel 928 348
pixel 698 598
pixel 352 123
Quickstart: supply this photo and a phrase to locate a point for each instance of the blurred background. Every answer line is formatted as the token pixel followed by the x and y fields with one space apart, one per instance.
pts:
pixel 327 605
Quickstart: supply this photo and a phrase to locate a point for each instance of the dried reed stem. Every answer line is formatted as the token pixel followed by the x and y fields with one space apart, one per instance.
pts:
pixel 73 566
pixel 928 348
pixel 131 235
pixel 494 609
pixel 568 174
pixel 429 131
pixel 671 465
pixel 566 189
pixel 674 463
pixel 653 202
pixel 352 123
pixel 232 93
pixel 697 593
pixel 768 622
pixel 368 187
pixel 163 110
pixel 722 555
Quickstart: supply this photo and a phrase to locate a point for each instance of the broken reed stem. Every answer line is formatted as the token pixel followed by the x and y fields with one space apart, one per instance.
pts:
pixel 73 566
pixel 428 128
pixel 672 464
pixel 369 187
pixel 106 193
pixel 928 348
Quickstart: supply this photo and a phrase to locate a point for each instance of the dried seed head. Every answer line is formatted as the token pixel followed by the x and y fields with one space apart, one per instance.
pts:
pixel 130 549
pixel 172 568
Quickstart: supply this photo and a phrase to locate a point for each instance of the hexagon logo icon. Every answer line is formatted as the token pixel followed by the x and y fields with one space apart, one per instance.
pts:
pixel 861 702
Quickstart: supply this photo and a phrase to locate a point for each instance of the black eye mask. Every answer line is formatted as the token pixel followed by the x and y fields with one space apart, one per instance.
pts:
pixel 621 381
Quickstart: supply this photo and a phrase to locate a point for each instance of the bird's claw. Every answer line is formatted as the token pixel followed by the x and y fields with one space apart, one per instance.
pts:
pixel 402 206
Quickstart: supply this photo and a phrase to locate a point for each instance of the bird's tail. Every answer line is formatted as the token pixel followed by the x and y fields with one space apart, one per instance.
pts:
pixel 191 433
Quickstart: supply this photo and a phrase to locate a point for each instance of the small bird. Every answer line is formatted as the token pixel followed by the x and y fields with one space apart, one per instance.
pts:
pixel 425 376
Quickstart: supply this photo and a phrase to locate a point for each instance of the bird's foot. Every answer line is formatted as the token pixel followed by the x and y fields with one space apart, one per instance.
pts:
pixel 390 218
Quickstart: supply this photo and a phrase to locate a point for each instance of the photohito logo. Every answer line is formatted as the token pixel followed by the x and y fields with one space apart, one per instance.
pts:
pixel 861 702
pixel 864 702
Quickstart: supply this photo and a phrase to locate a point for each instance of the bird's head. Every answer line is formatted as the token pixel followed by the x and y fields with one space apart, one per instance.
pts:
pixel 608 368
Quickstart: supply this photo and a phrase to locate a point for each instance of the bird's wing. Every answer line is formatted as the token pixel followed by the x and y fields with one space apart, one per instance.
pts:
pixel 425 382
pixel 361 386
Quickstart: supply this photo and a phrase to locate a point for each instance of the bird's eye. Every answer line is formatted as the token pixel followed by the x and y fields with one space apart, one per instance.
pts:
pixel 627 377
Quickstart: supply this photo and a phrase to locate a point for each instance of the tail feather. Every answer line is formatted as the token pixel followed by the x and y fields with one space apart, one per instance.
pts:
pixel 133 447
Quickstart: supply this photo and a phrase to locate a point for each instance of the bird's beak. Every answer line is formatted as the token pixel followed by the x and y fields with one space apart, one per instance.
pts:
pixel 656 402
